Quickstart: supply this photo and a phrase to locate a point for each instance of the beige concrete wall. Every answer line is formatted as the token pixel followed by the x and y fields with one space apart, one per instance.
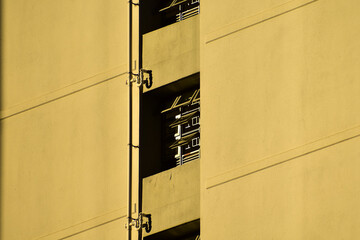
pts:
pixel 65 119
pixel 65 162
pixel 53 45
pixel 280 121
pixel 314 196
pixel 278 80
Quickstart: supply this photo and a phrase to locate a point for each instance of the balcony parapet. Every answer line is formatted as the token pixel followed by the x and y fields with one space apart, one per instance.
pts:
pixel 172 197
pixel 172 52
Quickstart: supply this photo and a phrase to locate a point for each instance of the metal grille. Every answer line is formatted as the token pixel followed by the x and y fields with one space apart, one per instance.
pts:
pixel 182 15
pixel 184 130
pixel 179 10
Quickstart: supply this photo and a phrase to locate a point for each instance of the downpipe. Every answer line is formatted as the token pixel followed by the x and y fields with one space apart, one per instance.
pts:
pixel 143 77
pixel 129 205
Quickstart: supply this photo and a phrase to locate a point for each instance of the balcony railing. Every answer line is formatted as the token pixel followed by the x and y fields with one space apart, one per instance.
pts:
pixel 187 14
pixel 178 10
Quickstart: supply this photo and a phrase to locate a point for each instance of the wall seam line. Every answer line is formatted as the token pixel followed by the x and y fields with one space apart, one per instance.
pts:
pixel 62 92
pixel 283 157
pixel 85 226
pixel 251 21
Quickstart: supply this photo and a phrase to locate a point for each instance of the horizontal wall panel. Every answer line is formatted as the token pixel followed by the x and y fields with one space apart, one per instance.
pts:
pixel 292 82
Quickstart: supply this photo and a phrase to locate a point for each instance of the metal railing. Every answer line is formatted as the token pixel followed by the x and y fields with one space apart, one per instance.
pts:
pixel 187 14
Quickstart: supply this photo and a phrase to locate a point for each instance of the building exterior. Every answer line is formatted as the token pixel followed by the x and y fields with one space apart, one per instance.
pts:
pixel 277 153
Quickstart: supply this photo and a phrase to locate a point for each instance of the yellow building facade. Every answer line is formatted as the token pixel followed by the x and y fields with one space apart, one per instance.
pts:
pixel 279 120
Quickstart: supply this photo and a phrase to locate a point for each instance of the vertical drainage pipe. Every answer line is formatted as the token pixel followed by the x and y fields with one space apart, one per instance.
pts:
pixel 129 210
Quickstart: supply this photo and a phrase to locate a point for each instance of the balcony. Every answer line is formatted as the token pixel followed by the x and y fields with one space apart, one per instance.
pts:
pixel 172 52
pixel 172 198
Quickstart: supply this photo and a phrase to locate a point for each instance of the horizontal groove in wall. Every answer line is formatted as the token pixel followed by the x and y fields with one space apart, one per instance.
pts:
pixel 65 91
pixel 256 19
pixel 284 157
pixel 86 225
